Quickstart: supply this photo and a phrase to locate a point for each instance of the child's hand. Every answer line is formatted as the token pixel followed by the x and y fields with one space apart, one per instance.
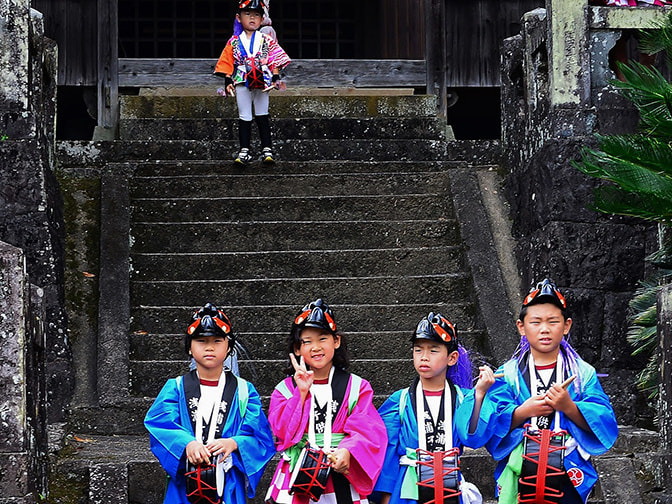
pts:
pixel 536 406
pixel 486 378
pixel 302 377
pixel 222 446
pixel 558 398
pixel 231 90
pixel 340 460
pixel 197 453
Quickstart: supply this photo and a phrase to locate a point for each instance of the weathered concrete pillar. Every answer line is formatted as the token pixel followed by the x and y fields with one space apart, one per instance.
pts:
pixel 22 417
pixel 14 80
pixel 570 61
pixel 114 309
pixel 665 398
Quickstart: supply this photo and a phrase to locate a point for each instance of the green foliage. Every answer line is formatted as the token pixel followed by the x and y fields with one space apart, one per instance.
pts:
pixel 637 170
pixel 642 335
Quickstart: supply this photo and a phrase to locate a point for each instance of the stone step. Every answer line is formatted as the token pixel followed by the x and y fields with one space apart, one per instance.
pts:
pixel 218 167
pixel 296 263
pixel 292 208
pixel 133 107
pixel 94 459
pixel 273 345
pixel 148 377
pixel 362 290
pixel 283 128
pixel 359 290
pixel 297 185
pixel 72 154
pixel 290 235
pixel 172 319
pixel 125 417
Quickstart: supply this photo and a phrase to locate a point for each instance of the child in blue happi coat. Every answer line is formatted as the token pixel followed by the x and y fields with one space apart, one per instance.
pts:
pixel 535 389
pixel 438 412
pixel 210 421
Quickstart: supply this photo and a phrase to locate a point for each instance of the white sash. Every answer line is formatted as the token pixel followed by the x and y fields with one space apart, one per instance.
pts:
pixel 311 422
pixel 533 388
pixel 201 414
pixel 447 417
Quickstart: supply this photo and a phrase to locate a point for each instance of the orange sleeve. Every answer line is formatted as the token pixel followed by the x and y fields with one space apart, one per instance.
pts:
pixel 224 64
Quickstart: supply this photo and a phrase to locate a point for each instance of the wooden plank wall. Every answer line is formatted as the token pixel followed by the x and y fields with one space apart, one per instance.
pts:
pixel 475 31
pixel 72 24
pixel 402 29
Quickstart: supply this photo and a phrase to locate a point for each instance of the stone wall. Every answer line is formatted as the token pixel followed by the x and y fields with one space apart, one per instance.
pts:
pixel 30 201
pixel 23 433
pixel 595 259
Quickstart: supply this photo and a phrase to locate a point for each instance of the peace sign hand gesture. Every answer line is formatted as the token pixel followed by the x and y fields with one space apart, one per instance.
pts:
pixel 302 377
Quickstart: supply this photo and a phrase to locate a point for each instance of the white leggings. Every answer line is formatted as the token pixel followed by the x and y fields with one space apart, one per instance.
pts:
pixel 246 97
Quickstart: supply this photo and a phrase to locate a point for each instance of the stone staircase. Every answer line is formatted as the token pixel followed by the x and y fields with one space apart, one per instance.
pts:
pixel 358 211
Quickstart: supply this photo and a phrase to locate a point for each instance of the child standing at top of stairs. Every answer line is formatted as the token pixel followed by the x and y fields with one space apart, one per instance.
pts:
pixel 250 64
pixel 332 438
pixel 552 413
pixel 211 419
pixel 422 420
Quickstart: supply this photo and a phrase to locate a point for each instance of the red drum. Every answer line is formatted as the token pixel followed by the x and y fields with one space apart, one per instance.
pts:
pixel 438 476
pixel 254 75
pixel 310 473
pixel 543 474
pixel 202 483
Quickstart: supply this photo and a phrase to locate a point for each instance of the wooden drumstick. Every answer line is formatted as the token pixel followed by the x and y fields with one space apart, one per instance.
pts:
pixel 498 375
pixel 569 380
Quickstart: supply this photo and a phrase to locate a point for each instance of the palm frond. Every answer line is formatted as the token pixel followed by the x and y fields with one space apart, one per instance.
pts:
pixel 651 153
pixel 650 92
pixel 613 200
pixel 658 38
pixel 628 175
pixel 648 380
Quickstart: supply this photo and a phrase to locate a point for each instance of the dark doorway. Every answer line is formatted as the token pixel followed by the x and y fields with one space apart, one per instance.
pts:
pixel 475 115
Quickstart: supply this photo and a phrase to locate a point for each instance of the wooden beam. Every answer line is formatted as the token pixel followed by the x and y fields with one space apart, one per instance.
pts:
pixel 146 72
pixel 435 52
pixel 108 75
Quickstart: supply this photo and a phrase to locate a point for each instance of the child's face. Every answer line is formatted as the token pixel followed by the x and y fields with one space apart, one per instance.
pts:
pixel 431 359
pixel 544 327
pixel 209 352
pixel 317 348
pixel 250 20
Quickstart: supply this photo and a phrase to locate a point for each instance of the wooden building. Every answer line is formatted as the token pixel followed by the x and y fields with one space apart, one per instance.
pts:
pixel 464 37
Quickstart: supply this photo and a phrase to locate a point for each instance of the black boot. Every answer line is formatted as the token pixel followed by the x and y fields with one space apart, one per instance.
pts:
pixel 264 125
pixel 244 134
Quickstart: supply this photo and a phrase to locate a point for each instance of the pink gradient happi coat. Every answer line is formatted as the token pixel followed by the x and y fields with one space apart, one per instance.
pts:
pixel 365 439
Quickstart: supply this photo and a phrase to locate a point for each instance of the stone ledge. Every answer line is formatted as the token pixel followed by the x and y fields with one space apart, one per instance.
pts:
pixel 617 18
pixel 635 440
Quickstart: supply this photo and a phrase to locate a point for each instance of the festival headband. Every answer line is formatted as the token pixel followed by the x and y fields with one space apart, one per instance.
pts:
pixel 446 336
pixel 224 326
pixel 303 316
pixel 245 4
pixel 545 288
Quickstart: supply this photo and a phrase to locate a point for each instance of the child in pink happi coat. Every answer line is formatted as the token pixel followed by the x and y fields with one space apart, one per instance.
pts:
pixel 326 407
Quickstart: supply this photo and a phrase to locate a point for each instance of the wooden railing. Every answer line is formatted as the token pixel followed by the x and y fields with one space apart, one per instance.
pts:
pixel 139 72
